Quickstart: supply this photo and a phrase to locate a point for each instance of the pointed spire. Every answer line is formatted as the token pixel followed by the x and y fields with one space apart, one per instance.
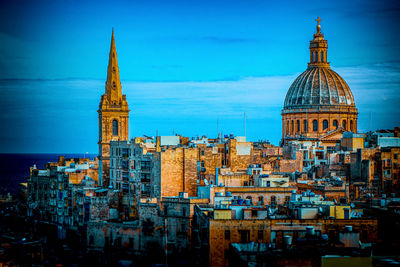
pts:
pixel 113 83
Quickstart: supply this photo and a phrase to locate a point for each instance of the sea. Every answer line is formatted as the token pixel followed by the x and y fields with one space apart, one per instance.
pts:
pixel 14 168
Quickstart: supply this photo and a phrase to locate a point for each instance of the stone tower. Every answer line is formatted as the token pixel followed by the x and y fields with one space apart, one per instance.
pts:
pixel 113 115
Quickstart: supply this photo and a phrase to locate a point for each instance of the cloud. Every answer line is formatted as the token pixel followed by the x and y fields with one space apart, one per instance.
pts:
pixel 61 115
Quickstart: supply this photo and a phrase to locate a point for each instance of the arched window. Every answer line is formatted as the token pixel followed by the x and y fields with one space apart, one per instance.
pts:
pixel 351 126
pixel 325 125
pixel 344 124
pixel 312 57
pixel 305 126
pixel 322 56
pixel 315 57
pixel 287 128
pixel 335 124
pixel 115 127
pixel 292 127
pixel 315 125
pixel 298 126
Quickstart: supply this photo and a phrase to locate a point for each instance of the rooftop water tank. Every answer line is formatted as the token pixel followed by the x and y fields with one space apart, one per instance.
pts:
pixel 310 230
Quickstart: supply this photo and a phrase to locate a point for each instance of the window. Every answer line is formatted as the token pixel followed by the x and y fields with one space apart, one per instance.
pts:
pixel 165 210
pixel 305 126
pixel 287 128
pixel 184 212
pixel 273 199
pixel 261 198
pixel 322 56
pixel 312 57
pixel 115 127
pixel 325 124
pixel 202 164
pixel 254 213
pixel 335 124
pixel 298 125
pixel 315 56
pixel 260 234
pixel 351 126
pixel 287 199
pixel 244 236
pixel 202 152
pixel 292 127
pixel 344 124
pixel 315 125
pixel 227 234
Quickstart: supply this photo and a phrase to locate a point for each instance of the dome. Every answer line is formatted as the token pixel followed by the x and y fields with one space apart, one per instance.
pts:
pixel 318 86
pixel 319 104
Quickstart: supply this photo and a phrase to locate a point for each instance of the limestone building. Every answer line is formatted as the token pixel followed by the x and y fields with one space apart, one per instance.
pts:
pixel 319 105
pixel 113 115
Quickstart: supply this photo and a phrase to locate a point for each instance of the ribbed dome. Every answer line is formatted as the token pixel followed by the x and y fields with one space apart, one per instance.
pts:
pixel 318 86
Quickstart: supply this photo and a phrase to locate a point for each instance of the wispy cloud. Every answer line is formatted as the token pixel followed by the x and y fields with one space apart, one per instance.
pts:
pixel 61 114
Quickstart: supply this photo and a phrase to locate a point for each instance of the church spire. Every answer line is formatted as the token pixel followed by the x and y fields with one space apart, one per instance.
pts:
pixel 113 83
pixel 318 49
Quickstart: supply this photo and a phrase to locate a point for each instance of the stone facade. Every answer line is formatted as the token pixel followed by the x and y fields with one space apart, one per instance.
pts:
pixel 218 234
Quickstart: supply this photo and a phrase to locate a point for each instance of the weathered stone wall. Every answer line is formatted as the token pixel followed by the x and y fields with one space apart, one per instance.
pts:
pixel 101 235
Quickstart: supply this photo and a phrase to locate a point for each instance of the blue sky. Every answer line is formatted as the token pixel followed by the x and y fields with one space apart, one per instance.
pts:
pixel 183 64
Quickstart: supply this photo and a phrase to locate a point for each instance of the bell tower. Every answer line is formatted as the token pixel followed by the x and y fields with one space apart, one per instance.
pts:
pixel 113 115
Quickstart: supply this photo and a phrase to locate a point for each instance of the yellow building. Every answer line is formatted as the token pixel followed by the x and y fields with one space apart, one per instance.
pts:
pixel 319 105
pixel 340 212
pixel 113 115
